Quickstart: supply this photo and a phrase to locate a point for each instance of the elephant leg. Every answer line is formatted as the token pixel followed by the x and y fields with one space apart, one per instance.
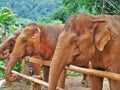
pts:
pixel 45 72
pixel 85 81
pixel 96 83
pixel 114 68
pixel 114 85
pixel 61 81
pixel 36 68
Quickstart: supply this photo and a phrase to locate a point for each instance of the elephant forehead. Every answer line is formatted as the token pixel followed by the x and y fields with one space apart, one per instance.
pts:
pixel 27 32
pixel 67 36
pixel 79 25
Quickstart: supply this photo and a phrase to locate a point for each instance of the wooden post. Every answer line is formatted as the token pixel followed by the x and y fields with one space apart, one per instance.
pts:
pixel 24 68
pixel 35 86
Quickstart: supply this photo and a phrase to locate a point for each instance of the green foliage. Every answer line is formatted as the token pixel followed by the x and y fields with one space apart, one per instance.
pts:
pixel 2 16
pixel 7 18
pixel 104 6
pixel 17 67
pixel 61 14
pixel 49 20
pixel 69 7
pixel 32 9
pixel 1 70
pixel 93 7
pixel 73 73
pixel 10 19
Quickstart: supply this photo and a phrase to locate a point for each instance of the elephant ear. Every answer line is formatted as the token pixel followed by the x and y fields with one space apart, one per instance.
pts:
pixel 37 33
pixel 36 40
pixel 102 33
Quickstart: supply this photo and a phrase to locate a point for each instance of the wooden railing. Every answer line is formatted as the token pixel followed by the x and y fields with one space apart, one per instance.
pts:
pixel 105 74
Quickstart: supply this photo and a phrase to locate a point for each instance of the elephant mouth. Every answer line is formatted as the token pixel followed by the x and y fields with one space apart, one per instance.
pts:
pixel 73 59
pixel 23 56
pixel 77 55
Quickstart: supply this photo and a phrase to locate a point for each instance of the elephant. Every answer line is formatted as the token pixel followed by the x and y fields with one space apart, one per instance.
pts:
pixel 86 38
pixel 8 44
pixel 37 41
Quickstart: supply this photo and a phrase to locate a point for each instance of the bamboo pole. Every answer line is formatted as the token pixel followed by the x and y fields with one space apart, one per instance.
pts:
pixel 41 82
pixel 106 74
pixel 28 77
pixel 39 61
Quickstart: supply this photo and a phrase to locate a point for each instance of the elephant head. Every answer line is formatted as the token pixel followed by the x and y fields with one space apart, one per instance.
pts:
pixel 82 36
pixel 8 44
pixel 24 46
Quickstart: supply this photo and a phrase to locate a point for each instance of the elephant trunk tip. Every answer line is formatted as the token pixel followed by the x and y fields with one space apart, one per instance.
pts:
pixel 12 78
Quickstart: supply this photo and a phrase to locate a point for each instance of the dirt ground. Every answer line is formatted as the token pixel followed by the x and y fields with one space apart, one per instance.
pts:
pixel 72 83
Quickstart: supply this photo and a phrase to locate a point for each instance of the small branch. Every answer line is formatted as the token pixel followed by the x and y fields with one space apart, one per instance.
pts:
pixel 103 5
pixel 112 5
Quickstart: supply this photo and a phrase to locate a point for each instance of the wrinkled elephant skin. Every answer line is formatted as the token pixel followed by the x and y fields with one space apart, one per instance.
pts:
pixel 88 38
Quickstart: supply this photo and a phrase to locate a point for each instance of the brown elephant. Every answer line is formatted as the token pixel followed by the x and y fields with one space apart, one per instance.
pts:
pixel 35 41
pixel 8 44
pixel 88 38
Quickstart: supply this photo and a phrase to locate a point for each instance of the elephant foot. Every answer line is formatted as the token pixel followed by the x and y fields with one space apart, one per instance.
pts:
pixel 85 83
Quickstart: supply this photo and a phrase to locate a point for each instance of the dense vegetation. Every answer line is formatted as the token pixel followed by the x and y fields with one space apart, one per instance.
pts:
pixel 93 7
pixel 41 10
pixel 32 9
pixel 16 13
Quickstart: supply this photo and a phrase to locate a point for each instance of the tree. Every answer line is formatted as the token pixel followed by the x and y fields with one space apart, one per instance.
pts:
pixel 7 18
pixel 69 7
pixel 93 7
pixel 32 9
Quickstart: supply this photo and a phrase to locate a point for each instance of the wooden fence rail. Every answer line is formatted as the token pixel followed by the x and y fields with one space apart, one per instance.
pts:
pixel 35 80
pixel 41 82
pixel 99 73
pixel 109 75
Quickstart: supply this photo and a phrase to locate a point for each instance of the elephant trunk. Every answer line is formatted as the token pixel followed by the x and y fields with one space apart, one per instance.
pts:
pixel 3 47
pixel 10 65
pixel 56 68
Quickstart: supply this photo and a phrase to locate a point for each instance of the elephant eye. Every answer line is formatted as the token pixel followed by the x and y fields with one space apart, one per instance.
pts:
pixel 74 41
pixel 24 41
